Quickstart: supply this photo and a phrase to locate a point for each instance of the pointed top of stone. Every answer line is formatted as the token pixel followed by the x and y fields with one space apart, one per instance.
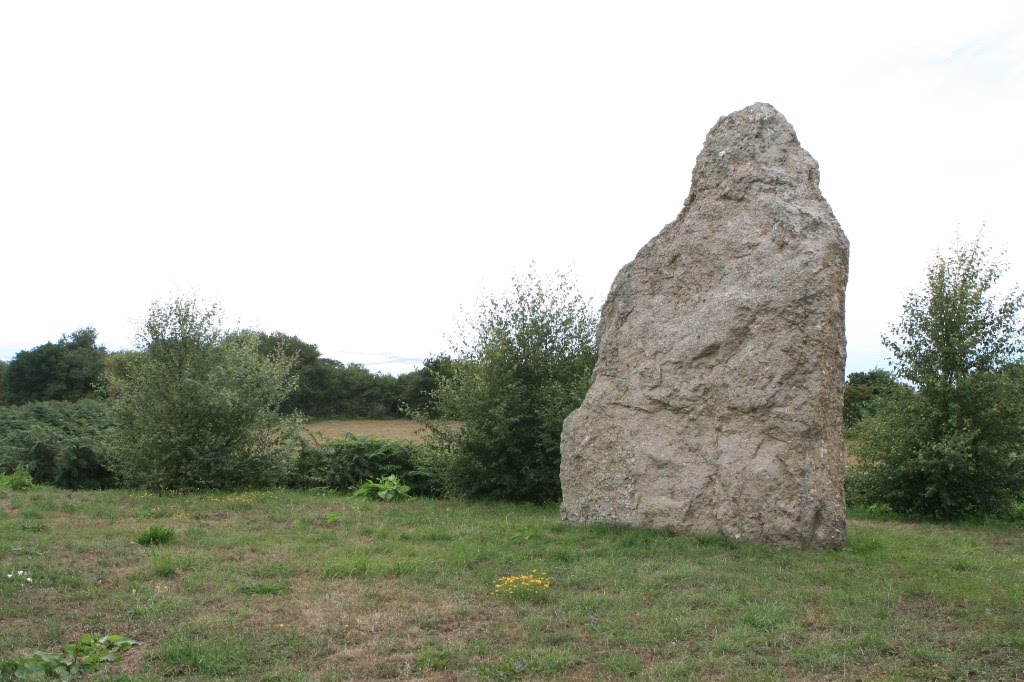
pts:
pixel 757 110
pixel 754 150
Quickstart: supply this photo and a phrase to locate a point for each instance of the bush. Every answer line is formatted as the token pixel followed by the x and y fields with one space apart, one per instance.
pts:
pixel 524 365
pixel 198 408
pixel 954 449
pixel 156 535
pixel 19 479
pixel 348 462
pixel 58 442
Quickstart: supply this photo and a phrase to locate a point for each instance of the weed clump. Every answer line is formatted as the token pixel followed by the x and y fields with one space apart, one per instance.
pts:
pixel 156 535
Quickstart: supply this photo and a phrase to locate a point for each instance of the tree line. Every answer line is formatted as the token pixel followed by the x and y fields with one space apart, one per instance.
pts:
pixel 73 368
pixel 195 406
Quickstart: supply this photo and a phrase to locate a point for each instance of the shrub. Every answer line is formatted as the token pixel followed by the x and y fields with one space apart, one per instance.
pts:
pixel 58 442
pixel 954 449
pixel 155 535
pixel 198 408
pixel 19 479
pixel 525 364
pixel 348 462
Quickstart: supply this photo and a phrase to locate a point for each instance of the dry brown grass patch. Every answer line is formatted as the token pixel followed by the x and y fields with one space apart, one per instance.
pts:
pixel 405 429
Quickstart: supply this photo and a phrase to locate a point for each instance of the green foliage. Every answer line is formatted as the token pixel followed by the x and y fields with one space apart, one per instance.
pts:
pixel 862 389
pixel 58 442
pixel 416 389
pixel 85 656
pixel 344 463
pixel 309 369
pixel 952 450
pixel 351 390
pixel 386 488
pixel 524 365
pixel 156 535
pixel 19 479
pixel 197 408
pixel 433 658
pixel 67 370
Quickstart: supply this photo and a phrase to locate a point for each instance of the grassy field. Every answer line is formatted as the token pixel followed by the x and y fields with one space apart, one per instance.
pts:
pixel 283 585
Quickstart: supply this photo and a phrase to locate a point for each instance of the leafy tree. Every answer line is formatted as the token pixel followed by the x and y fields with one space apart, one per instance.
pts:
pixel 336 389
pixel 954 449
pixel 3 374
pixel 305 354
pixel 524 364
pixel 197 407
pixel 327 388
pixel 863 390
pixel 416 388
pixel 377 397
pixel 67 370
pixel 308 367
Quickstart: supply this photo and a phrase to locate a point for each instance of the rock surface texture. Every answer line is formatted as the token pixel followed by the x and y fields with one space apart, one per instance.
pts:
pixel 717 397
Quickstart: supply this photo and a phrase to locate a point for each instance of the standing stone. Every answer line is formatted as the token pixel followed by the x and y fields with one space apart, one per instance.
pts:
pixel 718 393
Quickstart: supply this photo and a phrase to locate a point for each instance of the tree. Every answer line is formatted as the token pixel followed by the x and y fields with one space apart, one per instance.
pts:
pixel 308 367
pixel 523 365
pixel 197 407
pixel 416 388
pixel 335 389
pixel 67 370
pixel 953 449
pixel 327 388
pixel 862 392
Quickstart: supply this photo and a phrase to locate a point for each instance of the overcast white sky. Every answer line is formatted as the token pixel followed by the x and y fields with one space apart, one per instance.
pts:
pixel 355 173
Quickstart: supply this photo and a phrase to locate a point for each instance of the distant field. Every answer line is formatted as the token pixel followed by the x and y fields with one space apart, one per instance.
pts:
pixel 411 430
pixel 385 428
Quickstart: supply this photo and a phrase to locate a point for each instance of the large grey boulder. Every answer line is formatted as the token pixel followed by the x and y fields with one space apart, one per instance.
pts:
pixel 717 397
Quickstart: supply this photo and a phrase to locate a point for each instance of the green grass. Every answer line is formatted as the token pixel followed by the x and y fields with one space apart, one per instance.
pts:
pixel 297 586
